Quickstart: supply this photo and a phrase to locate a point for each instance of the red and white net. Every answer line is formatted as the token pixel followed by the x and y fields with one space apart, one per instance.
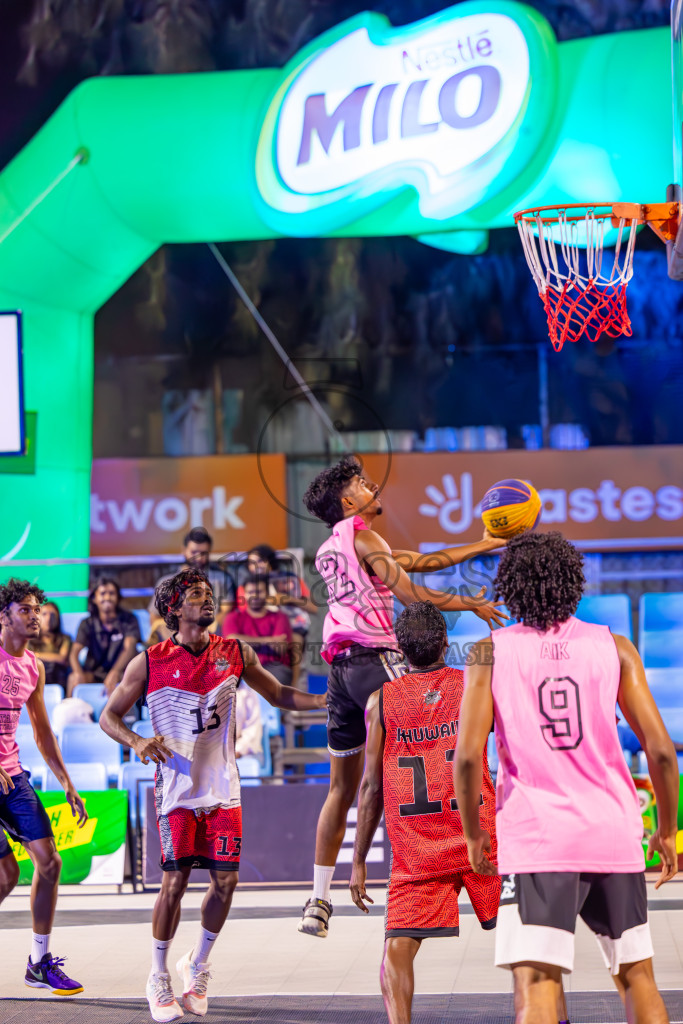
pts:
pixel 583 288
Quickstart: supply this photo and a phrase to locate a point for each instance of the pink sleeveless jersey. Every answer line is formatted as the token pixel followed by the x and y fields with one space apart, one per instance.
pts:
pixel 361 608
pixel 18 680
pixel 565 800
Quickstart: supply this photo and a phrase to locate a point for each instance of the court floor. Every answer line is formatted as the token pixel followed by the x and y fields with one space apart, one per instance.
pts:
pixel 263 970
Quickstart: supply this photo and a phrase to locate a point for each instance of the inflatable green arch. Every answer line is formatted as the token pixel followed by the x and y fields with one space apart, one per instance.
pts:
pixel 438 130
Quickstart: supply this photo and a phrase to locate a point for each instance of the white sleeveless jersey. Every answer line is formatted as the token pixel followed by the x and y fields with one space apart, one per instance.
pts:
pixel 191 700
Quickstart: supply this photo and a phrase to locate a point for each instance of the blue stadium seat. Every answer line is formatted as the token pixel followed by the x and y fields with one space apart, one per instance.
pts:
pixel 666 685
pixel 492 754
pixel 85 775
pixel 135 777
pixel 71 621
pixel 250 769
pixel 142 728
pixel 660 611
pixel 142 615
pixel 28 748
pixel 93 694
pixel 613 610
pixel 52 695
pixel 662 648
pixel 660 635
pixel 38 773
pixel 89 743
pixel 316 683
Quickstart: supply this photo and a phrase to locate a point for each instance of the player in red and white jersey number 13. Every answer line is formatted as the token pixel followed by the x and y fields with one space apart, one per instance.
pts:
pixel 190 683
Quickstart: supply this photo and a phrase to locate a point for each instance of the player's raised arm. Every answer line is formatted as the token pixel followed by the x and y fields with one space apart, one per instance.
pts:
pixel 642 714
pixel 374 553
pixel 275 692
pixel 129 690
pixel 370 800
pixel 437 561
pixel 476 716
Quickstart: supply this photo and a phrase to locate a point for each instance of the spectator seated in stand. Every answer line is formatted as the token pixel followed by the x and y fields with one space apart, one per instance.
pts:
pixel 263 561
pixel 269 633
pixel 110 634
pixel 52 646
pixel 197 546
pixel 248 723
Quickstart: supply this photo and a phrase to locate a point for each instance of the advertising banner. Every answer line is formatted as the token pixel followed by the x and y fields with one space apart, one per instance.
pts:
pixel 601 498
pixel 648 809
pixel 94 854
pixel 278 831
pixel 146 506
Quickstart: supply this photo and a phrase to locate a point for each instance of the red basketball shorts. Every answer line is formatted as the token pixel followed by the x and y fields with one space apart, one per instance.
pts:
pixel 192 840
pixel 423 907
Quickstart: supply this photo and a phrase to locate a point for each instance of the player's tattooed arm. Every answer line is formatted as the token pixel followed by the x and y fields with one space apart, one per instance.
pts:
pixel 437 561
pixel 374 553
pixel 370 801
pixel 130 689
pixel 275 692
pixel 474 724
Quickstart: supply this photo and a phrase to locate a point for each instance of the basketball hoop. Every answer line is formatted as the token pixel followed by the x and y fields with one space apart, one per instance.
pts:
pixel 582 286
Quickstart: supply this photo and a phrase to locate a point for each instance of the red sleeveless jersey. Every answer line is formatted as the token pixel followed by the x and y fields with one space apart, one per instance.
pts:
pixel 420 717
pixel 191 700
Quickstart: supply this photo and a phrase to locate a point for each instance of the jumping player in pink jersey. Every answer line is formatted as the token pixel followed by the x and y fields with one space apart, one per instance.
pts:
pixel 363 575
pixel 189 682
pixel 22 816
pixel 568 821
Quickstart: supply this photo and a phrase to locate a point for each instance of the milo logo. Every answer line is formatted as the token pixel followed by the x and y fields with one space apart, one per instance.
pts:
pixel 368 109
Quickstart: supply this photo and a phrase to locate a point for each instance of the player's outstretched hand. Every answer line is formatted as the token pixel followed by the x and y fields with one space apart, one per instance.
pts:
pixel 494 542
pixel 665 846
pixel 488 610
pixel 77 806
pixel 359 873
pixel 152 748
pixel 479 851
pixel 321 701
pixel 5 782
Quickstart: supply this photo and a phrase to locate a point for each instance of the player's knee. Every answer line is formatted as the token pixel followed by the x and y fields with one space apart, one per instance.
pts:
pixel 639 974
pixel 173 885
pixel 9 876
pixel 49 867
pixel 224 884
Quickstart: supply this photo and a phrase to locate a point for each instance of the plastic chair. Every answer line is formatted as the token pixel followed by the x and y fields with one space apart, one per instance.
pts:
pixel 53 694
pixel 93 694
pixel 666 686
pixel 662 648
pixel 71 621
pixel 250 769
pixel 142 728
pixel 492 754
pixel 85 775
pixel 89 743
pixel 132 776
pixel 613 610
pixel 316 683
pixel 28 748
pixel 660 611
pixel 144 622
pixel 38 773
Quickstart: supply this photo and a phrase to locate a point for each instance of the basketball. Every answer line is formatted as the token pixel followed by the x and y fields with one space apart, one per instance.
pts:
pixel 510 507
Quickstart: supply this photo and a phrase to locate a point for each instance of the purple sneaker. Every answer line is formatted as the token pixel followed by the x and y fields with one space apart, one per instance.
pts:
pixel 48 973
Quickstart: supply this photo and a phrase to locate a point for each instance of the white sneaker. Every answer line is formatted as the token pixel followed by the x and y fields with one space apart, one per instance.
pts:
pixel 163 1005
pixel 195 979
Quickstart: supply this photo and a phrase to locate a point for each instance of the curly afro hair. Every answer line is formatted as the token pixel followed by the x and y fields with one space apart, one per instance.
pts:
pixel 540 578
pixel 421 633
pixel 324 494
pixel 170 593
pixel 15 591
